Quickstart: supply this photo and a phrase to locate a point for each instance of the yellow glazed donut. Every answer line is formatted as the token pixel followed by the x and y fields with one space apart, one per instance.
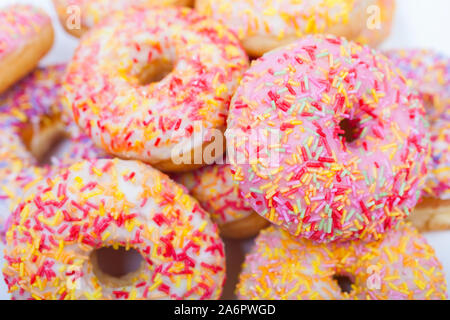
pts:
pixel 214 188
pixel 26 35
pixel 55 234
pixel 78 16
pixel 263 25
pixel 400 266
pixel 113 85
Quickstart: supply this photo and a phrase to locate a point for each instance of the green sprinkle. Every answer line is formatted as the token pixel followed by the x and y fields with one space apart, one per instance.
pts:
pixel 302 213
pixel 279 73
pixel 330 221
pixel 365 177
pixel 274 107
pixel 299 205
pixel 308 152
pixel 350 215
pixel 321 55
pixel 406 211
pixel 402 189
pixel 291 109
pixel 314 146
pixel 311 131
pixel 365 120
pixel 319 152
pixel 321 224
pixel 363 132
pixel 381 174
pixel 256 190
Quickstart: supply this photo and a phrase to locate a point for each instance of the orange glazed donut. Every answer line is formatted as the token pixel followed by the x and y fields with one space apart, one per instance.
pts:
pixel 400 266
pixel 26 35
pixel 55 234
pixel 265 25
pixel 90 12
pixel 214 188
pixel 113 89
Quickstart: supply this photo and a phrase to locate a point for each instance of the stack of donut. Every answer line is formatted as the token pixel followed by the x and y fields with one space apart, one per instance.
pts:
pixel 322 138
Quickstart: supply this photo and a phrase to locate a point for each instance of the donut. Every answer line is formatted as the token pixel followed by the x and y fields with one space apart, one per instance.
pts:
pixel 433 211
pixel 30 125
pixel 428 72
pixel 400 266
pixel 77 146
pixel 266 25
pixel 374 37
pixel 56 233
pixel 218 194
pixel 26 35
pixel 34 104
pixel 109 85
pixel 327 140
pixel 36 109
pixel 16 176
pixel 28 128
pixel 90 12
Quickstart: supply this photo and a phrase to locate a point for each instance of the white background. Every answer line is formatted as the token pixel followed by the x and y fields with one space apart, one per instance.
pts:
pixel 418 24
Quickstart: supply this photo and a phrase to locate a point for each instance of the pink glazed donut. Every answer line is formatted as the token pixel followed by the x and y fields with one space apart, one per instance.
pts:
pixel 329 141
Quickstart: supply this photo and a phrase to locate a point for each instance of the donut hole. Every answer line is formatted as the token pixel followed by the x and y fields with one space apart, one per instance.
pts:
pixel 55 149
pixel 344 282
pixel 116 267
pixel 351 129
pixel 156 71
pixel 43 140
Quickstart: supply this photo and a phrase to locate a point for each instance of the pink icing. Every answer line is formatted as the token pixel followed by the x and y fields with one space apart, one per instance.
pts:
pixel 324 187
